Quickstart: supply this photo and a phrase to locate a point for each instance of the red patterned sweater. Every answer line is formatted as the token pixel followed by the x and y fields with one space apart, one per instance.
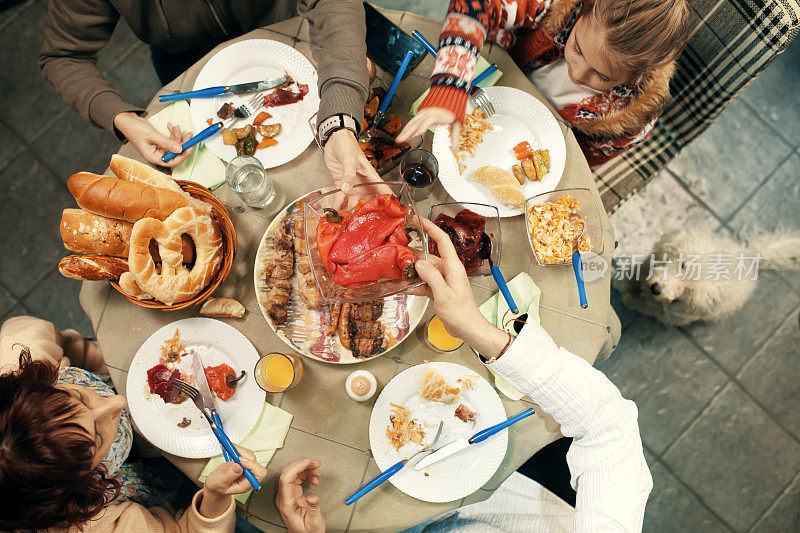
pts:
pixel 535 33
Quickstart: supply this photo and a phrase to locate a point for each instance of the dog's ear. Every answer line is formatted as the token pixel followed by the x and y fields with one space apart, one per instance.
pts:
pixel 704 297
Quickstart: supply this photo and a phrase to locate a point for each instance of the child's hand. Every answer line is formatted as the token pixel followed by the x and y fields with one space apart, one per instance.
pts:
pixel 300 513
pixel 429 117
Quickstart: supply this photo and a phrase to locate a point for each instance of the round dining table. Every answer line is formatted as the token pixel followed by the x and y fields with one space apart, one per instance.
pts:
pixel 327 424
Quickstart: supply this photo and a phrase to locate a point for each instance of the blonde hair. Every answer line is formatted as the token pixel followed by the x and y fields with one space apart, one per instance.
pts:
pixel 643 34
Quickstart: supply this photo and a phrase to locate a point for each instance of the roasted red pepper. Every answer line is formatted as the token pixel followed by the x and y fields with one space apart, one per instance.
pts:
pixel 369 227
pixel 327 233
pixel 383 262
pixel 215 375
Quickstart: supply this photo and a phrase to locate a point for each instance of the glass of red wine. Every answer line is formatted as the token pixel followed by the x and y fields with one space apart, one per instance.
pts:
pixel 420 170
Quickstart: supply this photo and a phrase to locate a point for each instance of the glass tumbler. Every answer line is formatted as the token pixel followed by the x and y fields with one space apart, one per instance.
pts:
pixel 246 176
pixel 420 170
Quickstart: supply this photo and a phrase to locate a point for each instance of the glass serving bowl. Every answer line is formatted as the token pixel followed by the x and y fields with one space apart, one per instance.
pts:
pixel 397 108
pixel 492 228
pixel 313 209
pixel 589 212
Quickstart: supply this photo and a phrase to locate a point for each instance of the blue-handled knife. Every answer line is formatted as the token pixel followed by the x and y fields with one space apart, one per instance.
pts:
pixel 222 90
pixel 459 444
pixel 211 415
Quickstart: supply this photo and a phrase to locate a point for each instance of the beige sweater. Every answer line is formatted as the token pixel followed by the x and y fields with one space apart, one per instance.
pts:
pixel 45 341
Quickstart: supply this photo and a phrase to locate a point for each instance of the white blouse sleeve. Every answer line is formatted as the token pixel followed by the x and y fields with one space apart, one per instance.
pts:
pixel 605 460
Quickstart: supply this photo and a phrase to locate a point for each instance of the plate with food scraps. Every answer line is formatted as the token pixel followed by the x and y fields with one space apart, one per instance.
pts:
pixel 405 418
pixel 292 305
pixel 257 60
pixel 172 422
pixel 519 118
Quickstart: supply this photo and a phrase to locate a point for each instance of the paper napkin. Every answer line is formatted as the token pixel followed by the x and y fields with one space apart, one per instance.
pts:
pixel 526 295
pixel 202 166
pixel 265 439
pixel 480 66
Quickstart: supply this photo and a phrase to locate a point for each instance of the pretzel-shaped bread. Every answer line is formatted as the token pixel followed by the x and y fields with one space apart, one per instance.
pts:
pixel 174 282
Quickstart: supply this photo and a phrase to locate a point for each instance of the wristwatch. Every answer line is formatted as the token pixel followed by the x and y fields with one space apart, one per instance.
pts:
pixel 336 123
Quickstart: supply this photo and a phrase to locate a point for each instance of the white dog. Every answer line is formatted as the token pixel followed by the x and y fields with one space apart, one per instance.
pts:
pixel 695 274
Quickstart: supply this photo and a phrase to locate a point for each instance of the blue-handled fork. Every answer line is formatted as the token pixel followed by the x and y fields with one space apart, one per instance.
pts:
pixel 241 112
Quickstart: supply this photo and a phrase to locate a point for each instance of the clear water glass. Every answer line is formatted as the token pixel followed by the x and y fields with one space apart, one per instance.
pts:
pixel 246 176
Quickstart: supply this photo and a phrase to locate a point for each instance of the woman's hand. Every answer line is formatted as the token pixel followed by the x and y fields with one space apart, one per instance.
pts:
pixel 227 479
pixel 449 288
pixel 300 513
pixel 346 162
pixel 429 117
pixel 151 144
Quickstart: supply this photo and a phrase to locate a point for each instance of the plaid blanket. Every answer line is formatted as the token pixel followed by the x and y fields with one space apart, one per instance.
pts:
pixel 731 43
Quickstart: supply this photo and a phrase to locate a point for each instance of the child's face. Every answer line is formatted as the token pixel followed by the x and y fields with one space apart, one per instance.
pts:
pixel 588 62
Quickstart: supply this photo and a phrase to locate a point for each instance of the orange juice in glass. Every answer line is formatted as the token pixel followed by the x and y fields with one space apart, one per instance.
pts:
pixel 277 372
pixel 437 337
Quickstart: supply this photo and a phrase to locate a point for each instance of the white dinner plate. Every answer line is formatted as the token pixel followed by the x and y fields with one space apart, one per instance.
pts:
pixel 256 60
pixel 216 343
pixel 301 332
pixel 519 117
pixel 462 473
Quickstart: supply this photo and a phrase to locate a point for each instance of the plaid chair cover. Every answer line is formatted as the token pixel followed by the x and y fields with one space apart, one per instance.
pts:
pixel 731 43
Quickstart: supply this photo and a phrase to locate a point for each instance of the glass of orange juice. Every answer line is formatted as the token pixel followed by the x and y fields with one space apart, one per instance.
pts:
pixel 277 372
pixel 437 337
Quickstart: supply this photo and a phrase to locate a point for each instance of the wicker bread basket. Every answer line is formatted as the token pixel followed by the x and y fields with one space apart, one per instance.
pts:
pixel 223 218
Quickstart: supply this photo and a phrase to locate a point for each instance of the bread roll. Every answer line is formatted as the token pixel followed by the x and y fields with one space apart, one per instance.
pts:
pixel 125 200
pixel 131 170
pixel 503 184
pixel 92 267
pixel 86 233
pixel 131 288
pixel 222 307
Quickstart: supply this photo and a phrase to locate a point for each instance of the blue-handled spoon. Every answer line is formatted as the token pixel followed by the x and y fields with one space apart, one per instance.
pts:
pixel 485 252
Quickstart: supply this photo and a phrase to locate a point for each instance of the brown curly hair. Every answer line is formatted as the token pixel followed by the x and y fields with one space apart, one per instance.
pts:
pixel 46 474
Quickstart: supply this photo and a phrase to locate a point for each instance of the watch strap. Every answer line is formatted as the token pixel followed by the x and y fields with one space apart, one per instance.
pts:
pixel 335 123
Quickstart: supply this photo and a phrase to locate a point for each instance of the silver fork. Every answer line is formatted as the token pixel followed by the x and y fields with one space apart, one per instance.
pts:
pixel 216 426
pixel 241 112
pixel 479 98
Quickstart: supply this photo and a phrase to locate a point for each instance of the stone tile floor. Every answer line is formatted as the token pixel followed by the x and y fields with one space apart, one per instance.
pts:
pixel 717 402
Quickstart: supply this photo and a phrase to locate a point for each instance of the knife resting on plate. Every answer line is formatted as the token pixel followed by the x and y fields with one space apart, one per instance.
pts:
pixel 459 444
pixel 222 90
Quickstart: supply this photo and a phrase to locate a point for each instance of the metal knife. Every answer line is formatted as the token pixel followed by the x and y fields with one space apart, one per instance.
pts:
pixel 221 90
pixel 211 415
pixel 459 444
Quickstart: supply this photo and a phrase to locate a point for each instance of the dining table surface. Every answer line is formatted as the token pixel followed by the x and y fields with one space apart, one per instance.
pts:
pixel 328 425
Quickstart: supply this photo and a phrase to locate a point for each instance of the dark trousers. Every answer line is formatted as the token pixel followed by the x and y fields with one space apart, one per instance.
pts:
pixel 170 66
pixel 549 468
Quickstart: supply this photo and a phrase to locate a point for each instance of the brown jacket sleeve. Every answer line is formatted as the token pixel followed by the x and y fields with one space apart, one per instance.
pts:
pixel 338 44
pixel 74 31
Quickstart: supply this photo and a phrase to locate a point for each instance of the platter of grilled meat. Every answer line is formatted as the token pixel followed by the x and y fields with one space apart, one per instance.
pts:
pixel 339 333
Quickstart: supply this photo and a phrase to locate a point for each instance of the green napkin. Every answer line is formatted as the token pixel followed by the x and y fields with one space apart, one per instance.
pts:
pixel 479 67
pixel 526 295
pixel 265 439
pixel 202 166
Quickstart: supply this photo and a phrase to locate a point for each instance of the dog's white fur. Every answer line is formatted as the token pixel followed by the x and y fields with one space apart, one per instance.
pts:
pixel 678 299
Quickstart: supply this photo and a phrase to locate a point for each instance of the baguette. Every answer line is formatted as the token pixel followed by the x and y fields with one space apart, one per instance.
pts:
pixel 131 170
pixel 92 267
pixel 86 233
pixel 222 307
pixel 125 200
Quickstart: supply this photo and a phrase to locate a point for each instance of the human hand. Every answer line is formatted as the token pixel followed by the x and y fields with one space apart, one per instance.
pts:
pixel 346 162
pixel 151 144
pixel 300 513
pixel 228 479
pixel 449 288
pixel 429 117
